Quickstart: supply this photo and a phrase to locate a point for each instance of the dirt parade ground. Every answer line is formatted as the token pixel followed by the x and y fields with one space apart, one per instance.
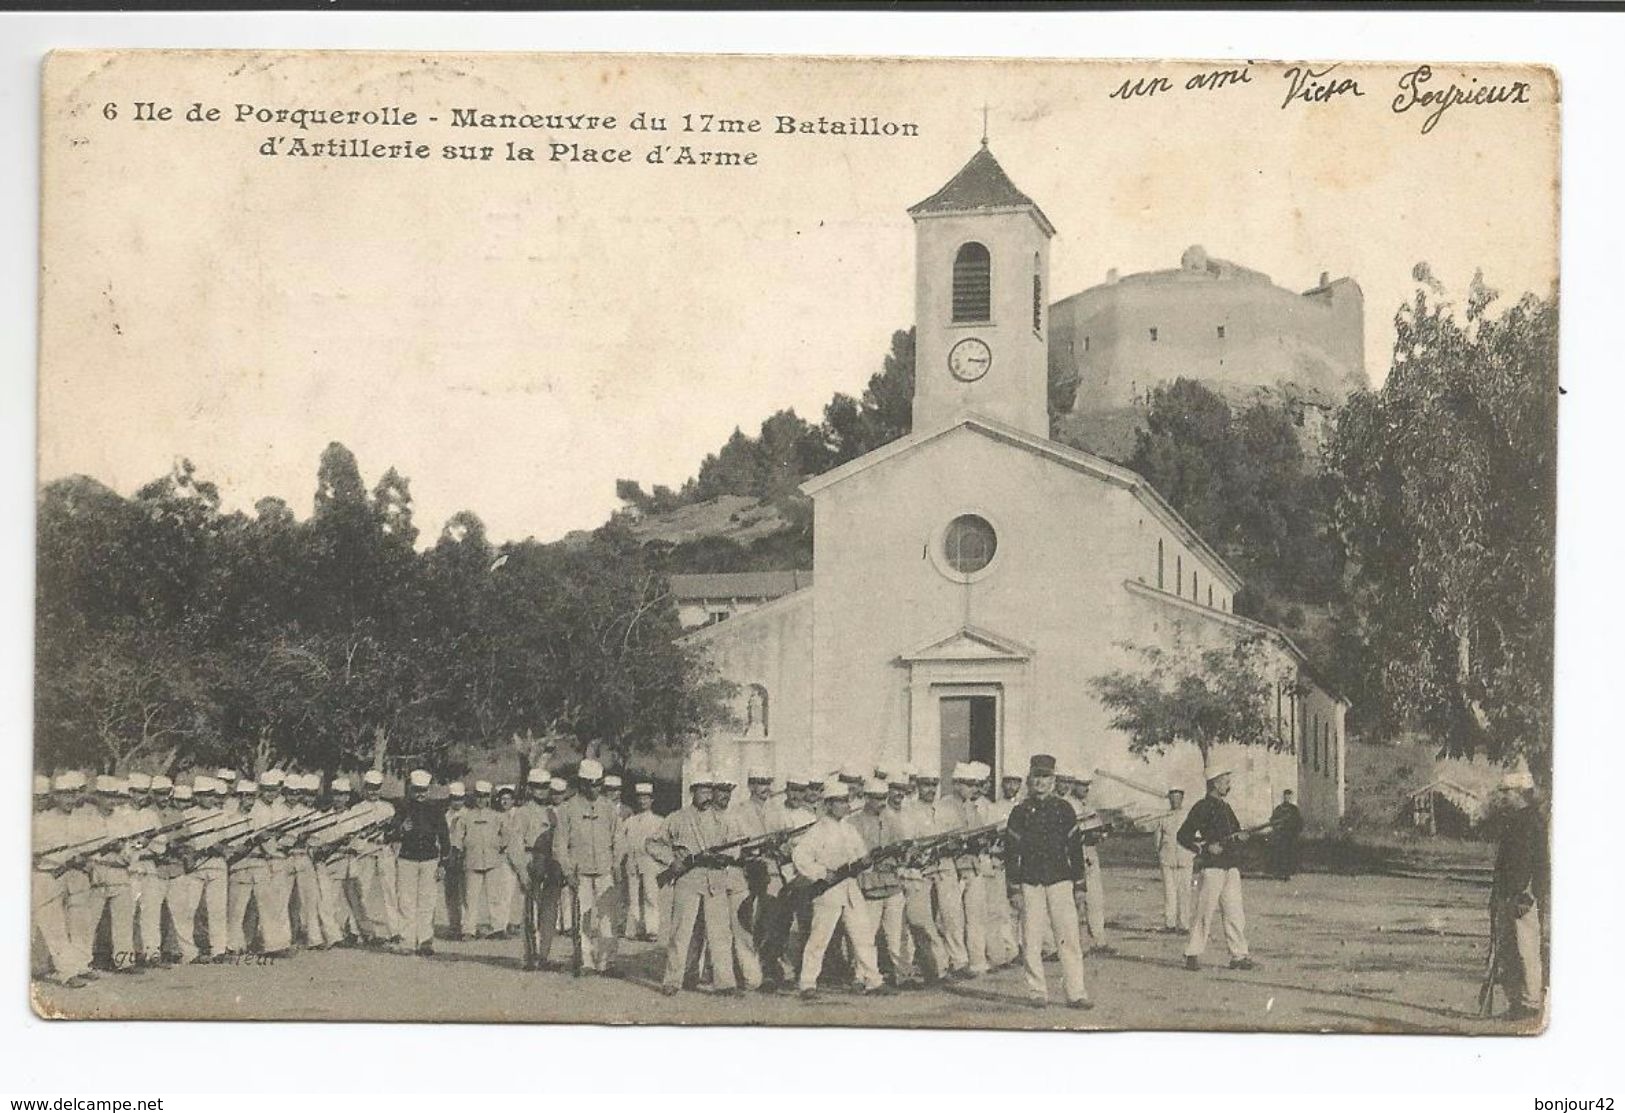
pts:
pixel 1334 953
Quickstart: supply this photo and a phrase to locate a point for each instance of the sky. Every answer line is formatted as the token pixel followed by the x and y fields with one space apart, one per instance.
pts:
pixel 514 336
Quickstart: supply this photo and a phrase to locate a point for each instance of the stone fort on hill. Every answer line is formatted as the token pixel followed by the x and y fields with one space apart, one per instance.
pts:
pixel 1213 320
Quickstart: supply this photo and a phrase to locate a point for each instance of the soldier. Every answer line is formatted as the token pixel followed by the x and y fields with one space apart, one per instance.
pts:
pixel 1286 825
pixel 1003 897
pixel 533 832
pixel 452 891
pixel 42 794
pixel 202 882
pixel 335 851
pixel 1002 947
pixel 921 939
pixel 479 838
pixel 972 869
pixel 585 843
pixel 939 817
pixel 53 896
pixel 419 830
pixel 881 885
pixel 699 895
pixel 615 792
pixel 110 890
pixel 1090 896
pixel 1175 863
pixel 1044 853
pixel 304 893
pixel 147 883
pixel 260 876
pixel 831 844
pixel 1520 896
pixel 507 893
pixel 230 796
pixel 754 885
pixel 1211 832
pixel 641 870
pixel 375 900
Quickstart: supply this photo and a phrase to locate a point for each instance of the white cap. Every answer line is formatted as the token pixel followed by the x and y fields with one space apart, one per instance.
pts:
pixel 340 784
pixel 245 788
pixel 161 783
pixel 42 785
pixel 509 789
pixel 456 790
pixel 850 773
pixel 612 780
pixel 482 788
pixel 183 792
pixel 759 775
pixel 71 781
pixel 927 775
pixel 205 784
pixel 313 782
pixel 963 771
pixel 558 784
pixel 273 778
pixel 372 777
pixel 107 784
pixel 589 770
pixel 1213 774
pixel 1518 781
pixel 907 769
pixel 795 779
pixel 537 776
pixel 644 788
pixel 899 780
pixel 419 778
pixel 701 778
pixel 874 786
pixel 982 770
pixel 138 782
pixel 723 780
pixel 834 791
pixel 228 776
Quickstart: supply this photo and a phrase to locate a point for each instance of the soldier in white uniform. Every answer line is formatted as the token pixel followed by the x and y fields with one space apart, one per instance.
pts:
pixel 304 892
pixel 585 846
pixel 939 816
pixel 973 871
pixel 700 895
pixel 1175 862
pixel 479 838
pixel 147 883
pixel 642 890
pixel 259 876
pixel 831 844
pixel 202 881
pixel 1091 893
pixel 54 828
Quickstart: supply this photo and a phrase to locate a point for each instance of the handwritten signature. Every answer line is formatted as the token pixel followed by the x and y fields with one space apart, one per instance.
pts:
pixel 1413 95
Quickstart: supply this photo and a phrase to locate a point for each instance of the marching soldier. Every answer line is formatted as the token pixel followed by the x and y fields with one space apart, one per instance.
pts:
pixel 700 894
pixel 1044 854
pixel 639 868
pixel 420 832
pixel 831 844
pixel 1520 896
pixel 1091 894
pixel 1175 862
pixel 1286 825
pixel 1211 832
pixel 480 841
pixel 585 845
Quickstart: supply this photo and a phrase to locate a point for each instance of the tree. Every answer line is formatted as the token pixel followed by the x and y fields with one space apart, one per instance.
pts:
pixel 1208 697
pixel 1446 502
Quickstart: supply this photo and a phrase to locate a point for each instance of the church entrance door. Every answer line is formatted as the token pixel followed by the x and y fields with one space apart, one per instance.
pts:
pixel 970 732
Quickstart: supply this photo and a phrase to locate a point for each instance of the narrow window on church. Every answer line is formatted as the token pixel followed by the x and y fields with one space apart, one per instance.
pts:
pixel 1159 564
pixel 1195 591
pixel 1153 336
pixel 973 284
pixel 1210 595
pixel 1038 304
pixel 1086 343
pixel 1179 573
pixel 1221 332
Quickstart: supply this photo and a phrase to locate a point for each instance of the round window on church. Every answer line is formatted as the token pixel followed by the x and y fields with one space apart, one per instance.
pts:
pixel 969 544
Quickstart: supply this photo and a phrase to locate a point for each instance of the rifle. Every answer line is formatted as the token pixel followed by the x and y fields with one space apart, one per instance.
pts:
pixel 894 850
pixel 326 850
pixel 187 856
pixel 711 856
pixel 91 847
pixel 249 841
pixel 1202 845
pixel 931 849
pixel 1492 966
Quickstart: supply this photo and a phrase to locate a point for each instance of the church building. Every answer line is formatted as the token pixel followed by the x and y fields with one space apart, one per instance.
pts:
pixel 971 579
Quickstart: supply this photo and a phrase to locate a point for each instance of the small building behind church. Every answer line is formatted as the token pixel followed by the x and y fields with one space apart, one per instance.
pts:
pixel 973 577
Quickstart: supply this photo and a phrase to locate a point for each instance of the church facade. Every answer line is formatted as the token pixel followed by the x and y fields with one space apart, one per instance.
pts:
pixel 973 577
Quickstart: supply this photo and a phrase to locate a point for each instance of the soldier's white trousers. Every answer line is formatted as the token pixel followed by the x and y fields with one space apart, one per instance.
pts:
pixel 373 899
pixel 184 895
pixel 110 892
pixel 415 882
pixel 1049 910
pixel 642 900
pixel 744 941
pixel 1176 896
pixel 595 921
pixel 266 889
pixel 843 907
pixel 1520 935
pixel 303 889
pixel 922 942
pixel 337 918
pixel 1002 945
pixel 1218 893
pixel 214 892
pixel 950 902
pixel 50 896
pixel 692 905
pixel 148 890
pixel 974 889
pixel 483 895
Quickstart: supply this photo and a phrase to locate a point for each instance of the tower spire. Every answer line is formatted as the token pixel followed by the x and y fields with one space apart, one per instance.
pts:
pixel 984 123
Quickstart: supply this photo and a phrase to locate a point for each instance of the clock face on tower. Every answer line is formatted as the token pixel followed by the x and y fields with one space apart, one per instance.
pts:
pixel 969 359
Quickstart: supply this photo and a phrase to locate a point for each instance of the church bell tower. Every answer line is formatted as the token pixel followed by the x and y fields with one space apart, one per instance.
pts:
pixel 981 281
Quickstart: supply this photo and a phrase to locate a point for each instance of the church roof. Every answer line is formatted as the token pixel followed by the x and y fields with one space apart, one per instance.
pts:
pixel 980 186
pixel 738 585
pixel 1076 459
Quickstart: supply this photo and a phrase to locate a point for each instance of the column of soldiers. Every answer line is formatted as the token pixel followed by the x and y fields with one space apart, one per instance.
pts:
pixel 883 879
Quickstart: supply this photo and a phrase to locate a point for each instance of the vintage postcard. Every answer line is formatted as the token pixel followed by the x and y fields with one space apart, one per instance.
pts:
pixel 796 541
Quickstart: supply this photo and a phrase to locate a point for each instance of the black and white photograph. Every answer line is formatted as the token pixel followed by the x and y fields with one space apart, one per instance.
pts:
pixel 796 541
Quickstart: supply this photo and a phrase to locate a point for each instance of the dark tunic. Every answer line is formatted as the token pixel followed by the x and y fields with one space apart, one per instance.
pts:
pixel 421 828
pixel 1288 825
pixel 1209 821
pixel 1520 858
pixel 1042 843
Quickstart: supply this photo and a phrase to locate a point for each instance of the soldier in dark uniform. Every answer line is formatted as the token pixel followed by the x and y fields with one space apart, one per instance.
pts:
pixel 1286 824
pixel 1520 897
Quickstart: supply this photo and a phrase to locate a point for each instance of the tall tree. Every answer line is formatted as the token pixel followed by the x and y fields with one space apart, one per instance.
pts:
pixel 1446 483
